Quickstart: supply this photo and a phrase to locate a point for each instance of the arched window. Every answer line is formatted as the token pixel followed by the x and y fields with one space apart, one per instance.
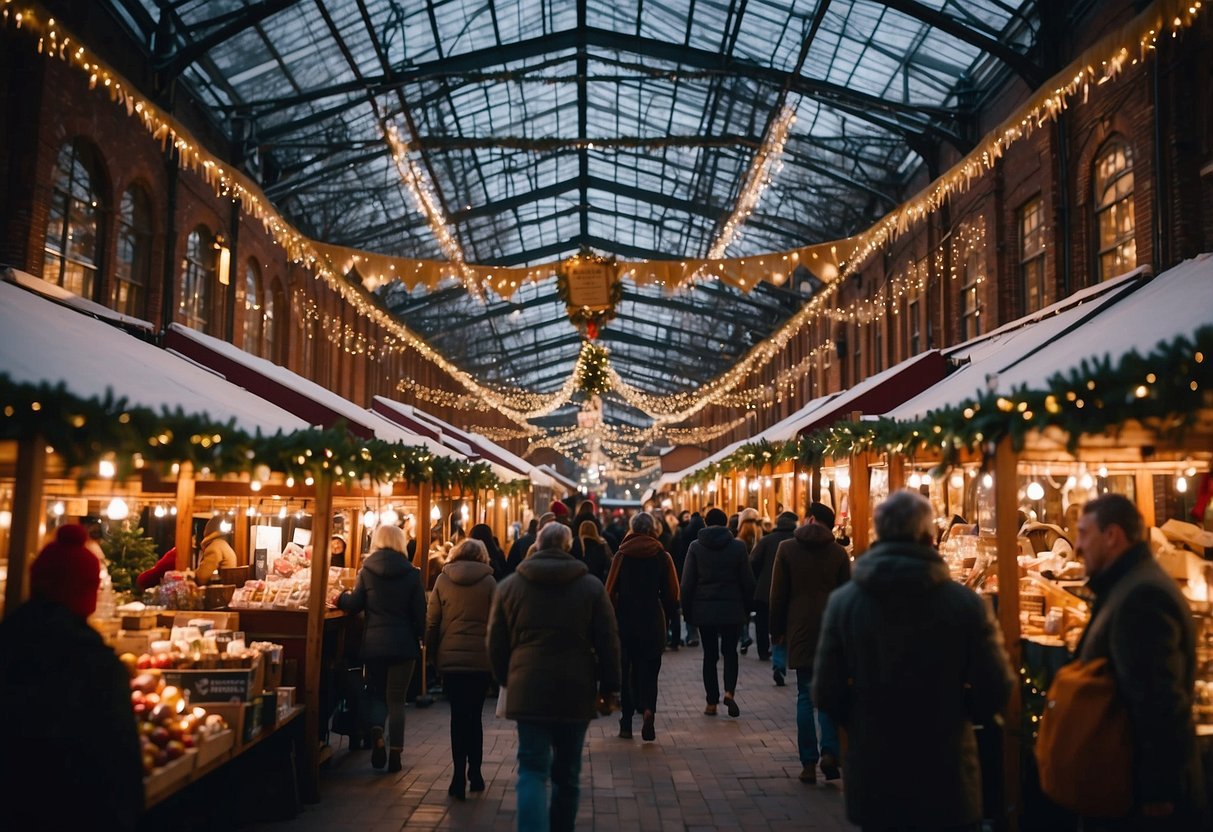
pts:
pixel 1114 219
pixel 274 335
pixel 133 255
pixel 197 278
pixel 252 321
pixel 73 233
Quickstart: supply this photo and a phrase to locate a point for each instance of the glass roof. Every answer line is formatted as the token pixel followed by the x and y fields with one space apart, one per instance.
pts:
pixel 623 126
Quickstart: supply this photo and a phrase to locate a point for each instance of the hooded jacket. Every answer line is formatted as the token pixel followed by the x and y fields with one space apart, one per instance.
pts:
pixel 643 588
pixel 457 619
pixel 1143 626
pixel 217 554
pixel 552 640
pixel 908 661
pixel 807 568
pixel 762 557
pixel 717 582
pixel 389 590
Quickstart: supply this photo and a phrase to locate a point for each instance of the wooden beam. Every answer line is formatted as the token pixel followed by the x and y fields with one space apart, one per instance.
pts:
pixel 897 472
pixel 27 519
pixel 185 515
pixel 1144 487
pixel 1006 508
pixel 859 502
pixel 322 532
pixel 421 558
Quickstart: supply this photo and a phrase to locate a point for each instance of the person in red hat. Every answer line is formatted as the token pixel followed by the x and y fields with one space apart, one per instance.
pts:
pixel 65 710
pixel 561 511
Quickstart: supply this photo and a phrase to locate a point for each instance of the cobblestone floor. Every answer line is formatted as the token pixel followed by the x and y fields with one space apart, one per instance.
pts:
pixel 703 773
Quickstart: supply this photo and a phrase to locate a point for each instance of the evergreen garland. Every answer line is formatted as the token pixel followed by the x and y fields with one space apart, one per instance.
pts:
pixel 1163 391
pixel 593 370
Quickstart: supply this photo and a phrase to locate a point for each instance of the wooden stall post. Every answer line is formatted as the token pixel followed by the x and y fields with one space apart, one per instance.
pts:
pixel 322 532
pixel 1006 507
pixel 859 501
pixel 1144 488
pixel 185 515
pixel 421 557
pixel 27 518
pixel 897 471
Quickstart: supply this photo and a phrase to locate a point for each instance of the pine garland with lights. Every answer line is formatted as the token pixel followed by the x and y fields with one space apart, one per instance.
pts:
pixel 1164 391
pixel 85 431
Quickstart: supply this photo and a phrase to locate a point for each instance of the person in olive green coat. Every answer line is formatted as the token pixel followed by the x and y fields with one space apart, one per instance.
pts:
pixel 457 622
pixel 554 647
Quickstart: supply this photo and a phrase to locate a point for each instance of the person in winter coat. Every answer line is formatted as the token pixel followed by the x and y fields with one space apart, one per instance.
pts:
pixel 686 536
pixel 748 531
pixel 908 660
pixel 762 559
pixel 586 511
pixel 807 568
pixel 456 625
pixel 643 588
pixel 1142 625
pixel 497 558
pixel 717 585
pixel 590 548
pixel 70 755
pixel 389 590
pixel 554 648
pixel 522 545
pixel 217 553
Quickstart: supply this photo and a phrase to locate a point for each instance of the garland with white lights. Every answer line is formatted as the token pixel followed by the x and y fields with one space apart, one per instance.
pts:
pixel 1164 391
pixel 1102 62
pixel 86 431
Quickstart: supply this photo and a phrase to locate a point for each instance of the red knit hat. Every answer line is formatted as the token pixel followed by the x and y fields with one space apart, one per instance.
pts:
pixel 66 572
pixel 559 509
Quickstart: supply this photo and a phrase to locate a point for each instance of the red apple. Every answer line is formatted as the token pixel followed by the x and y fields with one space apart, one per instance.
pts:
pixel 143 662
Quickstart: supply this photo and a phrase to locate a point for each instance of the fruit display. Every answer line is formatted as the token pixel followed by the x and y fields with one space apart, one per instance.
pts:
pixel 242 660
pixel 167 726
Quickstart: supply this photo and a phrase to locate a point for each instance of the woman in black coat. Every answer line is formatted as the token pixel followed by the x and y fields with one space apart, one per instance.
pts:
pixel 389 590
pixel 497 559
pixel 592 550
pixel 717 583
pixel 643 588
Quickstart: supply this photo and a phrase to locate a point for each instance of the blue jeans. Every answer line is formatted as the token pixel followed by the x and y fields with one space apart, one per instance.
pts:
pixel 806 730
pixel 549 749
pixel 779 657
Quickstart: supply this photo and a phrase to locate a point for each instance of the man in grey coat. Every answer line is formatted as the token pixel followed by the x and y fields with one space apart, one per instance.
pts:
pixel 908 661
pixel 1143 626
pixel 554 647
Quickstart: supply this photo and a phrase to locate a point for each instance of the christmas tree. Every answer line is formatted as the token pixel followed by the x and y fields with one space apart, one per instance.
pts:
pixel 127 553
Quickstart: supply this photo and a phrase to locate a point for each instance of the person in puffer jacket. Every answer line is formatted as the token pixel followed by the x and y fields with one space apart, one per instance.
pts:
pixel 389 590
pixel 456 624
pixel 717 585
pixel 554 648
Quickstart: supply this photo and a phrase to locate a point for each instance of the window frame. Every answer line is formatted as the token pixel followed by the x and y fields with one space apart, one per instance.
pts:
pixel 81 158
pixel 137 232
pixel 199 273
pixel 1102 205
pixel 1031 265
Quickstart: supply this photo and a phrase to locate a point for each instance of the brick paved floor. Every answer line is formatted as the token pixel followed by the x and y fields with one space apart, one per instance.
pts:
pixel 703 773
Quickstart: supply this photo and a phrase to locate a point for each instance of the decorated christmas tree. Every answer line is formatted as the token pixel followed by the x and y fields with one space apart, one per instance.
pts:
pixel 127 552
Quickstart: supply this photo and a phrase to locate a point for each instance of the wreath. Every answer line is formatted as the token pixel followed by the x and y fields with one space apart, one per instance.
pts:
pixel 589 321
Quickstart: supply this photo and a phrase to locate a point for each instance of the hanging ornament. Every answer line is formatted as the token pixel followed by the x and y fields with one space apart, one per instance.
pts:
pixel 590 287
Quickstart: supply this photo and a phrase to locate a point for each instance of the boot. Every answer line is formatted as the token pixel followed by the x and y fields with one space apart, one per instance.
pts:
pixel 378 749
pixel 393 761
pixel 475 779
pixel 647 731
pixel 625 727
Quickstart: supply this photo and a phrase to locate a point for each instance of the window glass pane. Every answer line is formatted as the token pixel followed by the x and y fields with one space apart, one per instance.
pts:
pixel 270 330
pixel 132 255
pixel 197 275
pixel 1114 216
pixel 252 308
pixel 72 234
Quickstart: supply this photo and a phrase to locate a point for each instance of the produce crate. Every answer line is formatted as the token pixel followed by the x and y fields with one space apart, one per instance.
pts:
pixel 243 717
pixel 139 620
pixel 219 685
pixel 215 745
pixel 165 779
